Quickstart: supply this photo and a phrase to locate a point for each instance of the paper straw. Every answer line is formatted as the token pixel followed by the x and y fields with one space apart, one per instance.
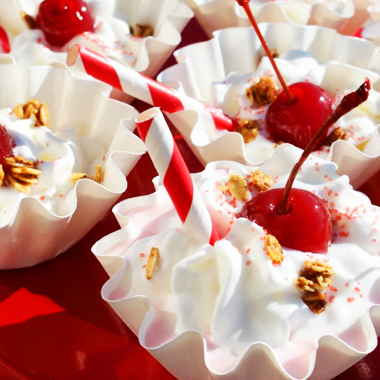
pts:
pixel 143 88
pixel 175 175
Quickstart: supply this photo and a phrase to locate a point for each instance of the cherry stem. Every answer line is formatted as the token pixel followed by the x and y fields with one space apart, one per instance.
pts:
pixel 245 5
pixel 349 102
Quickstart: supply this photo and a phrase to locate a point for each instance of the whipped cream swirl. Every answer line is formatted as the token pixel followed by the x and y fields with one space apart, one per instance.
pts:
pixel 232 293
pixel 57 156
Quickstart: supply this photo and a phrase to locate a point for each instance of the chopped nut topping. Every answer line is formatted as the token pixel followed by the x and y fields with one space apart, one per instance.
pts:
pixel 21 174
pixel 314 278
pixel 98 176
pixel 1 175
pixel 274 53
pixel 152 262
pixel 316 302
pixel 29 20
pixel 238 187
pixel 141 30
pixel 34 110
pixel 249 129
pixel 261 181
pixel 274 249
pixel 318 266
pixel 263 92
pixel 335 135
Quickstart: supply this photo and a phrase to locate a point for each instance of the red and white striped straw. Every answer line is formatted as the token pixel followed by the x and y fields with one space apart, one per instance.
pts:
pixel 175 175
pixel 143 88
pixel 5 46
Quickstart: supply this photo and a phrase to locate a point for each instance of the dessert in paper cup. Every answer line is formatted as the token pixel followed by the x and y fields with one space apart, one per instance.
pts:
pixel 219 72
pixel 240 309
pixel 66 149
pixel 371 30
pixel 346 16
pixel 141 35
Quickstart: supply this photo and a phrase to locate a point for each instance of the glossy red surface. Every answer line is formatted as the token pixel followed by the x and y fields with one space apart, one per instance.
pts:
pixel 54 324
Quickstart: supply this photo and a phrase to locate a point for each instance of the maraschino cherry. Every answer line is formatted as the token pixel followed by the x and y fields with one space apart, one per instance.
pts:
pixel 6 147
pixel 297 112
pixel 298 218
pixel 305 227
pixel 298 120
pixel 61 20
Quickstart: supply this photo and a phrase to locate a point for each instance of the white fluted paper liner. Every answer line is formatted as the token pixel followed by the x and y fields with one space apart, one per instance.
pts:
pixel 338 63
pixel 226 312
pixel 38 227
pixel 112 36
pixel 345 16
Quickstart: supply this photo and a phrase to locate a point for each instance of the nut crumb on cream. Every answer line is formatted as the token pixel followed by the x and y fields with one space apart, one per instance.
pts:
pixel 274 249
pixel 152 263
pixel 21 173
pixel 238 187
pixel 263 92
pixel 314 278
pixel 249 129
pixel 261 181
pixel 34 110
pixel 97 177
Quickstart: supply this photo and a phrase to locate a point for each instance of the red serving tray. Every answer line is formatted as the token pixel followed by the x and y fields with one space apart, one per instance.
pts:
pixel 54 324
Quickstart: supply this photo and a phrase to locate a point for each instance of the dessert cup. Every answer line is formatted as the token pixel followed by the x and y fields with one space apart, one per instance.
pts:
pixel 86 127
pixel 212 72
pixel 229 312
pixel 371 30
pixel 112 36
pixel 347 16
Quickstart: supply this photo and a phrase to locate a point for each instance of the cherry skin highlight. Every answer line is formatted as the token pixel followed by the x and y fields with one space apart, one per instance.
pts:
pixel 61 20
pixel 306 227
pixel 297 121
pixel 6 146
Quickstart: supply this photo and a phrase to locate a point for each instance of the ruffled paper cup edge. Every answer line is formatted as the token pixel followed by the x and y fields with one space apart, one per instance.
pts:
pixel 332 356
pixel 36 234
pixel 185 355
pixel 230 146
pixel 320 14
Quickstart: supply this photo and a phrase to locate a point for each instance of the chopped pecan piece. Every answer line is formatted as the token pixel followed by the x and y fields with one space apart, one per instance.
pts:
pixel 274 53
pixel 98 176
pixel 261 181
pixel 335 135
pixel 152 262
pixel 238 187
pixel 314 278
pixel 21 173
pixel 35 110
pixel 141 30
pixel 263 92
pixel 274 250
pixel 29 20
pixel 249 129
pixel 316 301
